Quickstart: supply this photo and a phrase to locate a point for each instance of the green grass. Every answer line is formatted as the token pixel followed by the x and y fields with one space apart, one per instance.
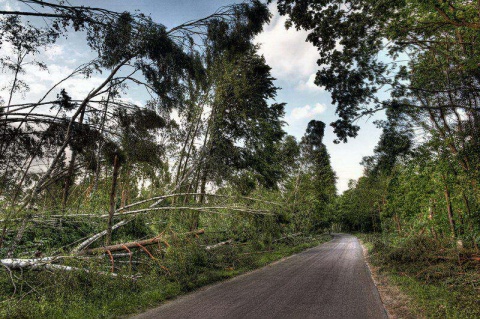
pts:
pixel 438 300
pixel 41 294
pixel 437 288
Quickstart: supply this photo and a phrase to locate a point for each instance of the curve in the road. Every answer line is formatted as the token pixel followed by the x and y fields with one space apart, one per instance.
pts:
pixel 328 281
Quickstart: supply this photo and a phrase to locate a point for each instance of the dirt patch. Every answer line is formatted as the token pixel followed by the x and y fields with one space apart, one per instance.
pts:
pixel 394 300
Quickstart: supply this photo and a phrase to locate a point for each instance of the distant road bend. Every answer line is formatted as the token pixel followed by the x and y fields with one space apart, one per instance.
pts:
pixel 328 281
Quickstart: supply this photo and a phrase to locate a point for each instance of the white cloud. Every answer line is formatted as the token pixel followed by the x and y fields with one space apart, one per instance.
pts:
pixel 78 86
pixel 310 85
pixel 129 100
pixel 54 51
pixel 286 51
pixel 307 112
pixel 37 88
pixel 40 81
pixel 9 6
pixel 53 74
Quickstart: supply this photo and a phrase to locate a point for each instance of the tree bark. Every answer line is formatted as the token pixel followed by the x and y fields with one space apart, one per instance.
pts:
pixel 100 145
pixel 125 188
pixel 70 179
pixel 111 212
pixel 451 219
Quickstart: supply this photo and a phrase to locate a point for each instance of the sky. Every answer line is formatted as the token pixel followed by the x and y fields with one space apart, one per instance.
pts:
pixel 293 63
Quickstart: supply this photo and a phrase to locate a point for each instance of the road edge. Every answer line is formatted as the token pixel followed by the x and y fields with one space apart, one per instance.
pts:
pixel 374 278
pixel 394 300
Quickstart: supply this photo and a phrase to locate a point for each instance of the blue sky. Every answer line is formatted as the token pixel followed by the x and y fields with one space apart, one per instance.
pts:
pixel 293 63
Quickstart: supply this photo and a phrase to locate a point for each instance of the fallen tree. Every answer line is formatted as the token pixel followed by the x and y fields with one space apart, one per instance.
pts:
pixel 48 262
pixel 33 263
pixel 133 244
pixel 193 194
pixel 193 208
pixel 97 236
pixel 223 243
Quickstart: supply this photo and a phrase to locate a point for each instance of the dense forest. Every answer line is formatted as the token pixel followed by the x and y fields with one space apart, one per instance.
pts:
pixel 101 195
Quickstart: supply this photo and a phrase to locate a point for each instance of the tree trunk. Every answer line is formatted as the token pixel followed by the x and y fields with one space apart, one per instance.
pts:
pixel 19 236
pixel 125 188
pixel 397 222
pixel 111 212
pixel 70 179
pixel 133 244
pixel 451 219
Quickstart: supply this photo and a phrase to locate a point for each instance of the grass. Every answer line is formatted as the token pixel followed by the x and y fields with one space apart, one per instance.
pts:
pixel 42 294
pixel 438 300
pixel 438 286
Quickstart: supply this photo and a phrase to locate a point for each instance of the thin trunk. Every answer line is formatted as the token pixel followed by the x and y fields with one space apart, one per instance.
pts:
pixel 134 244
pixel 182 155
pixel 451 145
pixel 196 215
pixel 190 147
pixel 5 176
pixel 125 188
pixel 17 192
pixel 475 245
pixel 19 236
pixel 70 179
pixel 20 58
pixel 430 217
pixel 111 212
pixel 397 222
pixel 196 183
pixel 100 145
pixel 451 219
pixel 203 185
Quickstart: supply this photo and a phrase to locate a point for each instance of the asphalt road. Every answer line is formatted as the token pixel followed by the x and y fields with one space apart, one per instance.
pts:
pixel 328 281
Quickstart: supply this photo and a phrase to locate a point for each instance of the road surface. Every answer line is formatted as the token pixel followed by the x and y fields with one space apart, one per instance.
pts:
pixel 328 281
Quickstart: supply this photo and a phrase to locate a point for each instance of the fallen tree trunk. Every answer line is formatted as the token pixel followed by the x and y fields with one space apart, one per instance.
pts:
pixel 70 268
pixel 193 194
pixel 97 236
pixel 287 236
pixel 146 210
pixel 133 244
pixel 34 263
pixel 223 243
pixel 236 209
pixel 169 208
pixel 46 263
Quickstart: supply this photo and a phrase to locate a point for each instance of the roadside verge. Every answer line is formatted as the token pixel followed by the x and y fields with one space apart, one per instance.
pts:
pixel 395 301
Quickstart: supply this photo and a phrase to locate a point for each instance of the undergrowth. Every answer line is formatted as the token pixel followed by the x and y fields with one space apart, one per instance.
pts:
pixel 442 280
pixel 181 268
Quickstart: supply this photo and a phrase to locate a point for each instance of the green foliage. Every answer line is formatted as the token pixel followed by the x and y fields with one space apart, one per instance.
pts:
pixel 437 40
pixel 83 295
pixel 442 283
pixel 310 187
